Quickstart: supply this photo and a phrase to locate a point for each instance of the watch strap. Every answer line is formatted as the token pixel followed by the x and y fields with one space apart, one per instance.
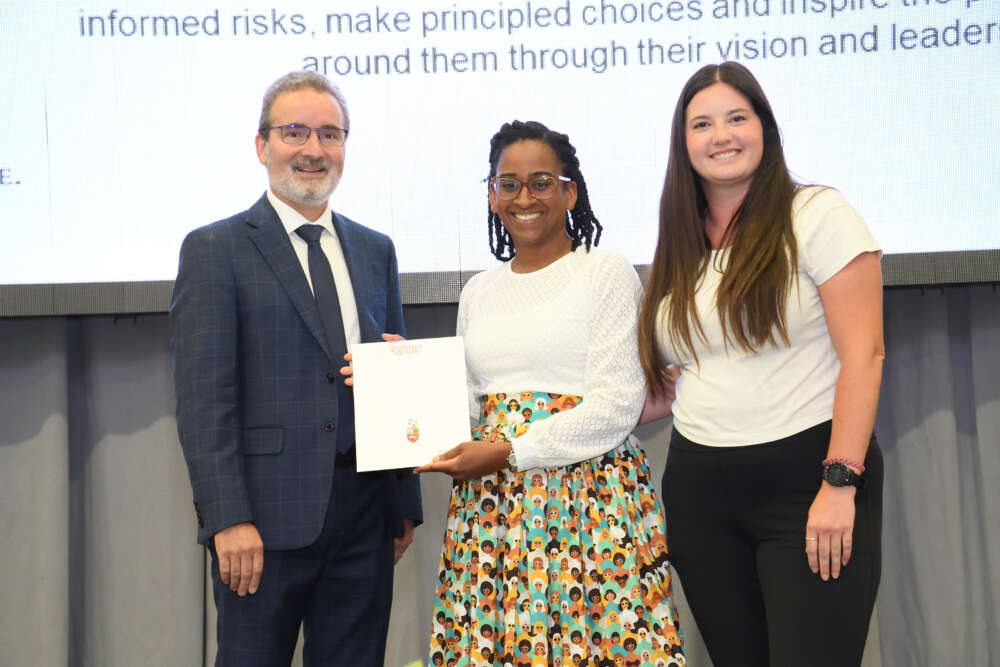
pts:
pixel 512 459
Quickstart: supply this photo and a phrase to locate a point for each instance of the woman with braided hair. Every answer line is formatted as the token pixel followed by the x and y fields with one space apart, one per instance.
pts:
pixel 578 547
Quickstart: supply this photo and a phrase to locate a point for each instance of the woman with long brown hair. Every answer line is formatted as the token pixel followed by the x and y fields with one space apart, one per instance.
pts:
pixel 766 295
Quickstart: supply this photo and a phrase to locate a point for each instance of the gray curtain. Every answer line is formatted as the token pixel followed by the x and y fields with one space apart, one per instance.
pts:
pixel 939 424
pixel 100 567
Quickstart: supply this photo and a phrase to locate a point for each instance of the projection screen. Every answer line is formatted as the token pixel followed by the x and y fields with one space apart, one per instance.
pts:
pixel 127 125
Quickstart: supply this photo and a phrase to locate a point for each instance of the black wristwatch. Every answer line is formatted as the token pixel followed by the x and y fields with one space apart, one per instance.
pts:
pixel 838 474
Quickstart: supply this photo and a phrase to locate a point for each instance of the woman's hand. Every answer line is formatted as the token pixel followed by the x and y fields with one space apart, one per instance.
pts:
pixel 348 372
pixel 830 530
pixel 658 406
pixel 469 459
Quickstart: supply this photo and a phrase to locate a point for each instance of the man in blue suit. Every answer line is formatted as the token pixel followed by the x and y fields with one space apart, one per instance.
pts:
pixel 264 308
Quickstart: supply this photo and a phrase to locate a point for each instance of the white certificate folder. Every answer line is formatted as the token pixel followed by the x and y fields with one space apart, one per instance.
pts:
pixel 410 401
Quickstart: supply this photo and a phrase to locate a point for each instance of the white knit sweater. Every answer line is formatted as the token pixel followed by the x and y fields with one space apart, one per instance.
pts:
pixel 569 328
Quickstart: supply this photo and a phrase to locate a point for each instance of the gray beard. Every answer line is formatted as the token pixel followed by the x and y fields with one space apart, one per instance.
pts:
pixel 289 187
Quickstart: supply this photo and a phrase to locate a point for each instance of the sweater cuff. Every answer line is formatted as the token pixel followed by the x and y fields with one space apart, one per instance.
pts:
pixel 526 447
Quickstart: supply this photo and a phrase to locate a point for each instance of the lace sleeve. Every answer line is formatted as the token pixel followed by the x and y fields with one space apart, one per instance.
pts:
pixel 460 328
pixel 614 384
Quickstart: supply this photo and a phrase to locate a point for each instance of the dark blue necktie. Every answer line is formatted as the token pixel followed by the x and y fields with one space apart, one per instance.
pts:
pixel 328 303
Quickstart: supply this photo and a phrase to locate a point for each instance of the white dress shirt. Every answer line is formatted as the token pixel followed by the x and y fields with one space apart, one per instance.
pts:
pixel 328 241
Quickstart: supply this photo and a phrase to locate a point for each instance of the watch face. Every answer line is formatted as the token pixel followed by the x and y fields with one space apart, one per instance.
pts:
pixel 838 474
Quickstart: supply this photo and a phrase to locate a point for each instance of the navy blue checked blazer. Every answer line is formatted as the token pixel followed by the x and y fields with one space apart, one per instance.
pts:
pixel 256 387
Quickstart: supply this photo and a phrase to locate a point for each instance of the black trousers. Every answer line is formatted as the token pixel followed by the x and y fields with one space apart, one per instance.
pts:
pixel 339 589
pixel 736 519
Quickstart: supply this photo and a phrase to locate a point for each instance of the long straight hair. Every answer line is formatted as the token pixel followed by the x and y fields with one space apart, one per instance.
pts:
pixel 760 265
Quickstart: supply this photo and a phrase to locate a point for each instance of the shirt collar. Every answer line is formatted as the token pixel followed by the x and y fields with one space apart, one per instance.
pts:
pixel 292 219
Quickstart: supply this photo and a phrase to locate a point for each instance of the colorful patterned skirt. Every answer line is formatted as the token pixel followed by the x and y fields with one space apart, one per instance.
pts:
pixel 555 566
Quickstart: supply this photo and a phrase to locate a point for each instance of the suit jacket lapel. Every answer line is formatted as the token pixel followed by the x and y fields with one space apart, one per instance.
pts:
pixel 271 239
pixel 357 257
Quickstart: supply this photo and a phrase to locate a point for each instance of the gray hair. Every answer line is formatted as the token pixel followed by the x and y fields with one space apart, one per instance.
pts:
pixel 298 80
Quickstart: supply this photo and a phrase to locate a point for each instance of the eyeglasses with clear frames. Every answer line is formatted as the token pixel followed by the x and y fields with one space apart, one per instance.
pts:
pixel 295 134
pixel 540 186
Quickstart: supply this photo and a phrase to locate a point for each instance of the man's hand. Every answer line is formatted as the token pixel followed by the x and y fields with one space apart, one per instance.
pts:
pixel 348 372
pixel 241 557
pixel 403 542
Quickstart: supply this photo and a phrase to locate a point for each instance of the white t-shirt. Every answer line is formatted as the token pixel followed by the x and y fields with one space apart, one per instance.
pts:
pixel 732 397
pixel 568 328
